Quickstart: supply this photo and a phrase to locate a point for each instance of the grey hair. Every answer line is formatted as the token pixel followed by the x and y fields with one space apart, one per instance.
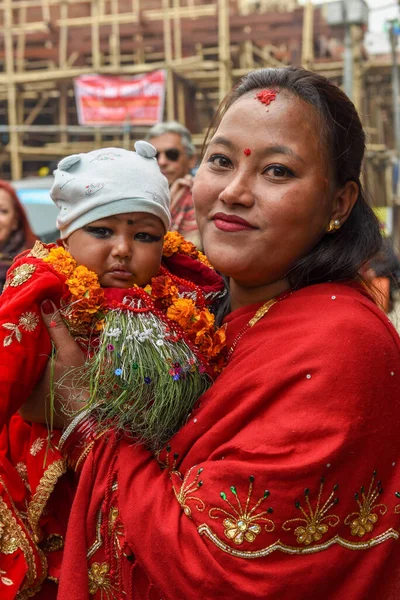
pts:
pixel 174 127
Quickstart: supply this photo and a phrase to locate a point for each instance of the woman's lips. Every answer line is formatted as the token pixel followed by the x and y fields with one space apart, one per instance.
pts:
pixel 231 223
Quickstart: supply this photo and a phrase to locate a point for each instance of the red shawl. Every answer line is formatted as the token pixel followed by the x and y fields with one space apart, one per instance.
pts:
pixel 281 485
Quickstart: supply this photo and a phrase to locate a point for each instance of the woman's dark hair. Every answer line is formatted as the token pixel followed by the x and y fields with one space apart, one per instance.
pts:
pixel 339 255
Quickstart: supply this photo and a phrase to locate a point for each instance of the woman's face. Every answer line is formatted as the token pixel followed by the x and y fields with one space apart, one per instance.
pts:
pixel 8 216
pixel 260 211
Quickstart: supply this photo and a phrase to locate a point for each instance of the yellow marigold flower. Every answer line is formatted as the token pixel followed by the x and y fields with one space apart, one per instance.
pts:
pixel 82 281
pixel 172 242
pixel 188 248
pixel 61 261
pixel 203 259
pixel 181 311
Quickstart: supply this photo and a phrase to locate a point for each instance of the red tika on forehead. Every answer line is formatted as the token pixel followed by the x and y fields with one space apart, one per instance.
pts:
pixel 247 151
pixel 266 96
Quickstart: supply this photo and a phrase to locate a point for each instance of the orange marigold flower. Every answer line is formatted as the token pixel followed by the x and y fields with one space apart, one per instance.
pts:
pixel 181 311
pixel 219 341
pixel 82 280
pixel 172 242
pixel 203 259
pixel 61 261
pixel 204 321
pixel 188 248
pixel 162 287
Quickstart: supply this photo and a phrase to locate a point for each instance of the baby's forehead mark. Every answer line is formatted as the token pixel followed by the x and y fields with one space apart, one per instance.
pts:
pixel 266 96
pixel 130 222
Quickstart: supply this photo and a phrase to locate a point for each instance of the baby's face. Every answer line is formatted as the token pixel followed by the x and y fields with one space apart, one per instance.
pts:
pixel 122 250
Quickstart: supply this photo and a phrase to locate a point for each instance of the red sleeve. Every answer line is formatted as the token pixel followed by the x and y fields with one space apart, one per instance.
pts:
pixel 288 471
pixel 24 342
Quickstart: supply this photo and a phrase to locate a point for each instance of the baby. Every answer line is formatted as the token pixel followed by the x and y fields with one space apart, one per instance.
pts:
pixel 134 298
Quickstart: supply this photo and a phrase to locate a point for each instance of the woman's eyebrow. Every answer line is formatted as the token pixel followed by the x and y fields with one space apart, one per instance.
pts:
pixel 281 149
pixel 222 141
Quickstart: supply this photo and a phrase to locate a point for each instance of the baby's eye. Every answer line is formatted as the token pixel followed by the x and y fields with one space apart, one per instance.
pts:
pixel 220 160
pixel 100 232
pixel 278 171
pixel 142 236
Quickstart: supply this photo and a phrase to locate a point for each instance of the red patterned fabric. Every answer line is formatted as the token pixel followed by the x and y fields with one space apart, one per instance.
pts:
pixel 282 483
pixel 35 493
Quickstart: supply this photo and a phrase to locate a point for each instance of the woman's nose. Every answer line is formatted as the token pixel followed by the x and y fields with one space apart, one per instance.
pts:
pixel 238 191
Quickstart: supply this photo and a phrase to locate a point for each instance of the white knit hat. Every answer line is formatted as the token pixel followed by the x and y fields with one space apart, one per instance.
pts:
pixel 106 182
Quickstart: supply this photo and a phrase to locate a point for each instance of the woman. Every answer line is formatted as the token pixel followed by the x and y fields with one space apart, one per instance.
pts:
pixel 15 232
pixel 283 482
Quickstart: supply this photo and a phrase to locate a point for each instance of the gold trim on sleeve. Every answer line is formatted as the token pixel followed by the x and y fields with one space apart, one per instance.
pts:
pixel 43 491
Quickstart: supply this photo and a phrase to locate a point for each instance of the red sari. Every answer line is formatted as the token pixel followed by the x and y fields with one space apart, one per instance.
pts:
pixel 284 483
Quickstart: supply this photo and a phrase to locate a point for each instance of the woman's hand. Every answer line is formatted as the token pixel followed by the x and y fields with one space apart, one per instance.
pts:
pixel 68 356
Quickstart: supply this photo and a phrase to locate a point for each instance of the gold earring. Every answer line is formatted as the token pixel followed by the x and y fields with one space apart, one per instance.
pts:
pixel 333 225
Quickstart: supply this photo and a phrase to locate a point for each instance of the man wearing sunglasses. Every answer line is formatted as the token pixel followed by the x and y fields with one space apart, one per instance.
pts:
pixel 176 156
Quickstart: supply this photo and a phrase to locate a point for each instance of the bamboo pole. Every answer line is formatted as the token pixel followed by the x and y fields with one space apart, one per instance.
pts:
pixel 21 41
pixel 16 165
pixel 95 21
pixel 168 61
pixel 224 56
pixel 307 46
pixel 114 39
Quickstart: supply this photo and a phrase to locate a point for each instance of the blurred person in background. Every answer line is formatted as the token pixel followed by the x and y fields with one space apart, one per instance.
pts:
pixel 176 156
pixel 382 272
pixel 15 232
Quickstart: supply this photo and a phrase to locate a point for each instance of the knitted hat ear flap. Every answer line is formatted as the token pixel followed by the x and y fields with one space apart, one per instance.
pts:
pixel 69 161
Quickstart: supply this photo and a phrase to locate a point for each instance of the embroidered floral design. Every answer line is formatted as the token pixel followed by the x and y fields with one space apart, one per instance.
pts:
pixel 185 493
pixel 363 522
pixel 37 446
pixel 92 188
pixel 38 251
pixel 241 523
pixel 5 580
pixel 23 473
pixel 316 522
pixel 99 580
pixel 21 274
pixel 28 322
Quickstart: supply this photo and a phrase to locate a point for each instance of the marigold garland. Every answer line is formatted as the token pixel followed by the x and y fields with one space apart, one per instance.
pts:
pixel 85 306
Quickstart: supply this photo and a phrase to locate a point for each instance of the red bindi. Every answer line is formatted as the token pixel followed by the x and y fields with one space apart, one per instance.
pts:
pixel 247 151
pixel 266 96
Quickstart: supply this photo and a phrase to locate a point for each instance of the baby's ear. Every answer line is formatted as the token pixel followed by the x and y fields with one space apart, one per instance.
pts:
pixel 66 163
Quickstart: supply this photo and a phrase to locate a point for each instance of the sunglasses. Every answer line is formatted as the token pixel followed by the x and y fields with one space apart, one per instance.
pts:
pixel 172 154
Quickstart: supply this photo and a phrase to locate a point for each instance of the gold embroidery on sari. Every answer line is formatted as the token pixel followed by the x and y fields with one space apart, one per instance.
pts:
pixel 13 537
pixel 38 250
pixel 99 581
pixel 53 543
pixel 99 540
pixel 363 522
pixel 5 580
pixel 316 522
pixel 37 446
pixel 251 554
pixel 186 490
pixel 44 489
pixel 28 322
pixel 243 523
pixel 21 274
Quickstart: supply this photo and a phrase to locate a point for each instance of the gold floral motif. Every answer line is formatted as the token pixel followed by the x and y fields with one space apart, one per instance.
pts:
pixel 21 274
pixel 186 490
pixel 363 522
pixel 241 523
pixel 37 446
pixel 28 322
pixel 5 580
pixel 99 580
pixel 316 522
pixel 38 250
pixel 43 491
pixel 23 473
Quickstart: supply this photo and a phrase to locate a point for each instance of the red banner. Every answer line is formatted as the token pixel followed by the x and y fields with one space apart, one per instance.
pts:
pixel 109 100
